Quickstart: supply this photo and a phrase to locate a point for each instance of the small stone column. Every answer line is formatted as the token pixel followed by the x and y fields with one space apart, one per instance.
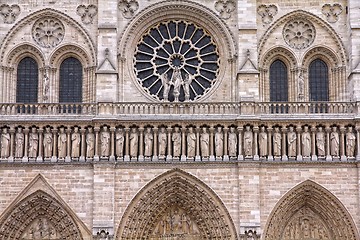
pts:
pixel 155 144
pixel 255 143
pixel 68 144
pixel 169 143
pixel 26 144
pixel 212 156
pixel 240 156
pixel 342 144
pixel 284 145
pixel 313 144
pixel 127 145
pixel 270 156
pixel 112 144
pixel 41 144
pixel 141 144
pixel 328 156
pixel 55 146
pixel 83 145
pixel 226 155
pixel 197 157
pixel 299 157
pixel 96 156
pixel 12 133
pixel 183 144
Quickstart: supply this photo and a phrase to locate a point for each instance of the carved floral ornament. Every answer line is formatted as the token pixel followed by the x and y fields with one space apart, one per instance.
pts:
pixel 267 12
pixel 299 33
pixel 225 7
pixel 48 32
pixel 86 13
pixel 9 12
pixel 332 12
pixel 128 7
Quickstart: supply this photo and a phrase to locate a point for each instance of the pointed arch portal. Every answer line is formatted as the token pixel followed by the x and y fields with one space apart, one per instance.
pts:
pixel 176 204
pixel 310 212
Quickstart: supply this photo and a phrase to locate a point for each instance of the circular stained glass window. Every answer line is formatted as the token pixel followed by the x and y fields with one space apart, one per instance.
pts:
pixel 176 61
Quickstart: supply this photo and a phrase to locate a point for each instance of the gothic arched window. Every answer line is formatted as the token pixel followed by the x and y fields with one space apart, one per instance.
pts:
pixel 27 81
pixel 278 82
pixel 70 87
pixel 318 81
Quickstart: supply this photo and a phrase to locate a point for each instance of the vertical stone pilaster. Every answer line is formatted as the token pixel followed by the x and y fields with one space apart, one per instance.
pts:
pixel 313 144
pixel 83 145
pixel 255 143
pixel 141 144
pixel 183 143
pixel 26 145
pixel 127 145
pixel 55 147
pixel 240 156
pixel 197 154
pixel 155 152
pixel 169 152
pixel 40 153
pixel 284 145
pixel 270 156
pixel 112 144
pixel 328 156
pixel 96 156
pixel 342 144
pixel 212 147
pixel 299 157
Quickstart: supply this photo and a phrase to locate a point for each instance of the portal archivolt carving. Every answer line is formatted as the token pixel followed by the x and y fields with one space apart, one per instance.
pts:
pixel 310 212
pixel 39 216
pixel 176 205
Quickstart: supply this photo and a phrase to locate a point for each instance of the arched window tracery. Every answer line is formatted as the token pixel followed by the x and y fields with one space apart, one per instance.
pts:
pixel 318 81
pixel 27 81
pixel 70 85
pixel 278 82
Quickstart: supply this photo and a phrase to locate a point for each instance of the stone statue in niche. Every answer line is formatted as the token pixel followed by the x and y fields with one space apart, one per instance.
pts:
pixel 263 142
pixel 134 140
pixel 176 139
pixel 320 142
pixel 149 137
pixel 19 143
pixel 301 84
pixel 277 142
pixel 177 81
pixel 75 143
pixel 105 142
pixel 5 143
pixel 162 140
pixel 232 141
pixel 46 86
pixel 62 143
pixel 120 142
pixel 291 139
pixel 334 142
pixel 187 82
pixel 166 85
pixel 204 143
pixel 191 143
pixel 219 142
pixel 306 142
pixel 248 141
pixel 33 143
pixel 350 142
pixel 90 143
pixel 48 143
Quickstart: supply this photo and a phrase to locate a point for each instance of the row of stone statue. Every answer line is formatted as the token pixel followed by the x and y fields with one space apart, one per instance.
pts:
pixel 166 143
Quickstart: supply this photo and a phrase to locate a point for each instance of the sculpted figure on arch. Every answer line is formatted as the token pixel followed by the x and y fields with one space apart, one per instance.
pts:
pixel 176 138
pixel 148 142
pixel 33 143
pixel 232 141
pixel 277 142
pixel 334 142
pixel 263 142
pixel 19 143
pixel 204 143
pixel 48 143
pixel 350 142
pixel 5 143
pixel 191 143
pixel 291 139
pixel 90 143
pixel 320 142
pixel 219 142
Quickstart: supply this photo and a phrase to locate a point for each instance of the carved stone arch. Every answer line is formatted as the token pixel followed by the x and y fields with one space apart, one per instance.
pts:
pixel 69 50
pixel 169 194
pixel 309 211
pixel 322 52
pixel 21 51
pixel 39 213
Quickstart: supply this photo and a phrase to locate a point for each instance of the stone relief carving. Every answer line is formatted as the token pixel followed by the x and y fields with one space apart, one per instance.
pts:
pixel 48 32
pixel 306 142
pixel 191 143
pixel 162 140
pixel 334 142
pixel 350 142
pixel 62 140
pixel 232 143
pixel 9 12
pixel 128 7
pixel 250 235
pixel 75 143
pixel 176 139
pixel 19 143
pixel 291 139
pixel 48 143
pixel 33 143
pixel 277 142
pixel 120 139
pixel 134 140
pixel 148 140
pixel 263 142
pixel 86 13
pixel 299 33
pixel 332 12
pixel 204 143
pixel 105 142
pixel 225 8
pixel 267 12
pixel 90 143
pixel 5 143
pixel 248 141
pixel 320 142
pixel 219 142
pixel 40 228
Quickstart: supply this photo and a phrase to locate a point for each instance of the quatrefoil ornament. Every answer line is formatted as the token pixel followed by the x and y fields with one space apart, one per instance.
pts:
pixel 86 13
pixel 128 7
pixel 267 12
pixel 332 12
pixel 9 12
pixel 225 7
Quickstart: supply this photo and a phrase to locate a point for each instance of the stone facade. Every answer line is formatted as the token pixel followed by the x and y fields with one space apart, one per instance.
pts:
pixel 177 135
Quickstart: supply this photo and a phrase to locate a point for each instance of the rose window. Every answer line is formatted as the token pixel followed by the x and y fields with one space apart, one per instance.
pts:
pixel 299 33
pixel 48 32
pixel 176 61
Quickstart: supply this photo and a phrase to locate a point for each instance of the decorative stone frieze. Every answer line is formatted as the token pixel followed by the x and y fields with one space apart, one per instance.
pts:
pixel 128 7
pixel 9 12
pixel 86 13
pixel 299 33
pixel 225 8
pixel 48 32
pixel 332 11
pixel 267 12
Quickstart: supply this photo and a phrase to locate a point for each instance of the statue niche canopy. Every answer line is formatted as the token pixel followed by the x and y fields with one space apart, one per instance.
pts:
pixel 176 61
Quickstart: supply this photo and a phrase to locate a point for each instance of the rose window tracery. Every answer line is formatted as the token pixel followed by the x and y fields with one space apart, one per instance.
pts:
pixel 48 32
pixel 299 33
pixel 176 61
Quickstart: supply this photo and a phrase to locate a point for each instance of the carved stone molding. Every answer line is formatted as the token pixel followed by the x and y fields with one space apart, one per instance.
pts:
pixel 267 12
pixel 225 8
pixel 128 7
pixel 299 33
pixel 86 13
pixel 48 32
pixel 9 12
pixel 332 12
